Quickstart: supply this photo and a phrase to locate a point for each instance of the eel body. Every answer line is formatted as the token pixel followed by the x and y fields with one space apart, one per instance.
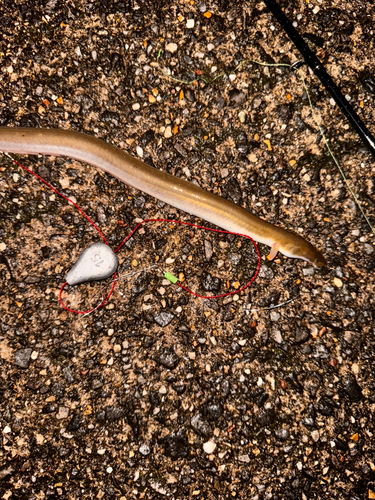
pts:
pixel 172 190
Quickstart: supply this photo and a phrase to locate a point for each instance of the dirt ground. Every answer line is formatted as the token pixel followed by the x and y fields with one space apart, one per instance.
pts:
pixel 268 394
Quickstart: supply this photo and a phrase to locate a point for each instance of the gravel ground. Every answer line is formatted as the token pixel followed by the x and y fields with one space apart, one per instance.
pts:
pixel 160 394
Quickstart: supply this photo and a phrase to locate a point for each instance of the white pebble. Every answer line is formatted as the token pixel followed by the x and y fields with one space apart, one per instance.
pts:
pixel 242 116
pixel 315 436
pixel 77 50
pixel 209 447
pixel 171 47
pixel 63 413
pixel 136 106
pixel 274 316
pixel 140 151
pixel 190 23
pixel 307 178
pixel 337 282
pixel 277 336
pixel 168 132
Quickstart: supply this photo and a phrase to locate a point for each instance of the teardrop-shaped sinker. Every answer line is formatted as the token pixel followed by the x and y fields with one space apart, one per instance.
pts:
pixel 97 262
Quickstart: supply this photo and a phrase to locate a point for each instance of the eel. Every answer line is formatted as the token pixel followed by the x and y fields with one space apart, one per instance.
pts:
pixel 177 192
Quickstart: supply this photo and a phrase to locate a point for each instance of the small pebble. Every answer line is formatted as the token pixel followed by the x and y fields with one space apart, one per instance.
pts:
pixel 274 316
pixel 171 47
pixel 315 436
pixel 190 23
pixel 308 271
pixel 168 132
pixel 144 449
pixel 337 282
pixel 209 447
pixel 242 116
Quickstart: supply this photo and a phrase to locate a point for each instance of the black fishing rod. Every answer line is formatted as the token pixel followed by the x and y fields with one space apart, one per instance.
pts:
pixel 313 62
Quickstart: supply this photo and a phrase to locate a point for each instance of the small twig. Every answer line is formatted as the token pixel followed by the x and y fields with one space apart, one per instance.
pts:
pixel 356 200
pixel 275 307
pixel 208 82
pixel 333 156
pixel 134 273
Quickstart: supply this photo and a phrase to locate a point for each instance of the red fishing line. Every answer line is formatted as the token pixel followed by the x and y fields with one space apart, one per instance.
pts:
pixel 130 235
pixel 91 222
pixel 207 229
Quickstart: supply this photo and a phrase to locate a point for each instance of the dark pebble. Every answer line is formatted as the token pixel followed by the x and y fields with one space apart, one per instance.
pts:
pixel 210 283
pixel 154 398
pixel 168 358
pixel 232 191
pixel 266 417
pixel 179 388
pixel 225 388
pixel 176 445
pixel 352 389
pixel 147 137
pixel 58 390
pixel 235 347
pixel 367 80
pixel 215 410
pixel 325 407
pixel 75 423
pixel 22 357
pixel 139 201
pixel 309 420
pixel 282 434
pixel 189 95
pixel 236 97
pixel 140 284
pixel 301 335
pixel 200 425
pixel 228 316
pixel 148 342
pixel 163 318
pixel 112 414
pixel 270 300
pixel 96 384
pixel 285 112
pixel 49 408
